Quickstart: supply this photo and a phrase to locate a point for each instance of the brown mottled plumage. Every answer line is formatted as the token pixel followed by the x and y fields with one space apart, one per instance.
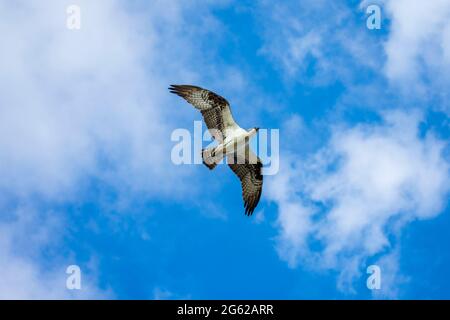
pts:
pixel 219 120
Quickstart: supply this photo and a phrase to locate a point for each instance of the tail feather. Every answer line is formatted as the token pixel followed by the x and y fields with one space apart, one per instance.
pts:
pixel 208 158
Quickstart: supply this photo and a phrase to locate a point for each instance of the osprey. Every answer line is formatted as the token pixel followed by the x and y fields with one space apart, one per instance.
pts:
pixel 232 141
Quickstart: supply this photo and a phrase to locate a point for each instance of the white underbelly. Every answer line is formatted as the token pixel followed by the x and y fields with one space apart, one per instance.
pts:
pixel 233 143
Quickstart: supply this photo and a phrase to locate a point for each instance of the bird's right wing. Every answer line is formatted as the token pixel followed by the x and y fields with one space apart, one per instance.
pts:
pixel 248 168
pixel 214 108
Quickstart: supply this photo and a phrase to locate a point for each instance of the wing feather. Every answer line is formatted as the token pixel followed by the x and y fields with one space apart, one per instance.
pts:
pixel 214 108
pixel 249 171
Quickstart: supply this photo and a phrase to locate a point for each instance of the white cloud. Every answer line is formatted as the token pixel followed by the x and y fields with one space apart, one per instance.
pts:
pixel 413 55
pixel 360 189
pixel 24 240
pixel 71 98
pixel 342 205
pixel 418 47
pixel 83 105
pixel 415 51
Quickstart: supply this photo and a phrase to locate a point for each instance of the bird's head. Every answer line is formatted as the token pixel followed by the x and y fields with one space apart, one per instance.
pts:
pixel 253 131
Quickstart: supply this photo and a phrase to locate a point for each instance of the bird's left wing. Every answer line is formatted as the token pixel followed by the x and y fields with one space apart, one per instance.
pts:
pixel 214 108
pixel 248 168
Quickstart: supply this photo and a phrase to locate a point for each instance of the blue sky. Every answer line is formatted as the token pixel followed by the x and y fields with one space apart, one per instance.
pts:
pixel 86 176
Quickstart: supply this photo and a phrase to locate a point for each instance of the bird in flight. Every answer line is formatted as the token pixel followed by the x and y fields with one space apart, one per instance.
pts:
pixel 233 141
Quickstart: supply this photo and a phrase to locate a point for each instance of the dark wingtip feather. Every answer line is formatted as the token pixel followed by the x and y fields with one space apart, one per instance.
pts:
pixel 248 210
pixel 173 88
pixel 180 90
pixel 177 89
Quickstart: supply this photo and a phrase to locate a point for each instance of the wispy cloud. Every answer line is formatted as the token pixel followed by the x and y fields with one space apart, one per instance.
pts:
pixel 317 53
pixel 343 204
pixel 349 200
pixel 418 47
pixel 90 107
pixel 25 241
pixel 83 106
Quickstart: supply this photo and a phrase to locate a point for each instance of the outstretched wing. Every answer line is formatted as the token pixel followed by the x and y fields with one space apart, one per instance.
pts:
pixel 248 168
pixel 214 108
